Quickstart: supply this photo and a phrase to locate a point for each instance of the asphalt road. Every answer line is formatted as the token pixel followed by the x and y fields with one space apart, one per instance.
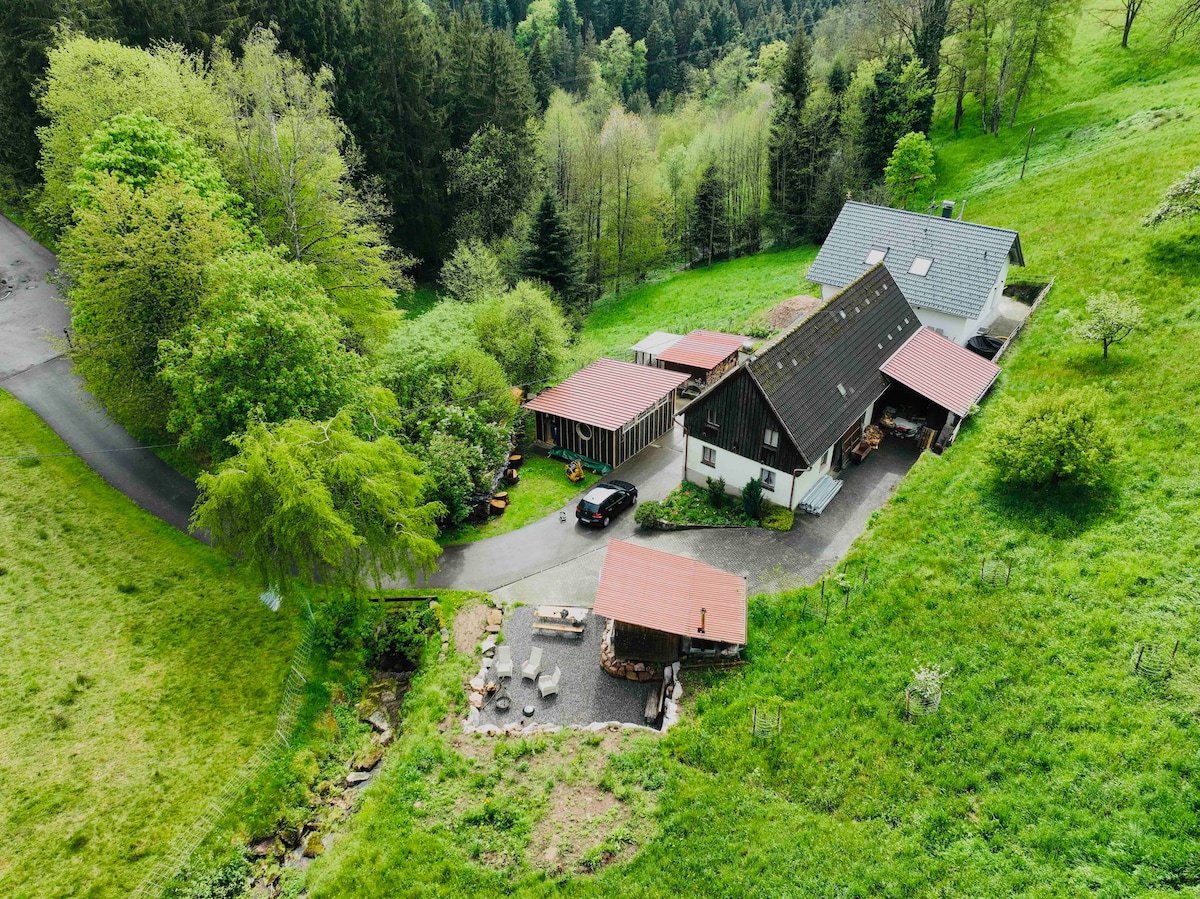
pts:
pixel 33 319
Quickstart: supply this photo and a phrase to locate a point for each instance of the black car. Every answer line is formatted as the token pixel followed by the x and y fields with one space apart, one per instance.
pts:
pixel 604 501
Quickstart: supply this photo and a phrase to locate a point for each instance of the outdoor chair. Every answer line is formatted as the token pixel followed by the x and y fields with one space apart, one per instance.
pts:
pixel 548 684
pixel 533 667
pixel 504 662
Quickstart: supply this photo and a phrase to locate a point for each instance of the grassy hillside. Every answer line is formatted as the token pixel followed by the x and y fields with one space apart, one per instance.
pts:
pixel 728 296
pixel 138 673
pixel 1051 770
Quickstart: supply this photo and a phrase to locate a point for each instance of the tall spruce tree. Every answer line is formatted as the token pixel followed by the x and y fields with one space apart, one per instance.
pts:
pixel 785 157
pixel 550 254
pixel 710 217
pixel 541 74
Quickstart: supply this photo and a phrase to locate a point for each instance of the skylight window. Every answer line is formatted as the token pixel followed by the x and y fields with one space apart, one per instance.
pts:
pixel 920 266
pixel 876 256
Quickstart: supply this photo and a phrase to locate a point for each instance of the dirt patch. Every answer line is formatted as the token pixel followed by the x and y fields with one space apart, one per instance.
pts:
pixel 792 311
pixel 579 819
pixel 469 625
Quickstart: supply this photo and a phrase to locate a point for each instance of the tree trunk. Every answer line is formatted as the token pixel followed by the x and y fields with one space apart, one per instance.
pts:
pixel 960 92
pixel 1012 118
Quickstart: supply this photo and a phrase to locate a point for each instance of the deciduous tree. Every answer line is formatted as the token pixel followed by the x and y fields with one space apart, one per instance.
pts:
pixel 317 499
pixel 909 171
pixel 526 334
pixel 1110 319
pixel 1052 438
pixel 264 345
pixel 292 158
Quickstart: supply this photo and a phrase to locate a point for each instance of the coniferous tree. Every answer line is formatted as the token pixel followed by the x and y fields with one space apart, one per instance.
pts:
pixel 788 172
pixel 541 74
pixel 551 254
pixel 710 218
pixel 660 52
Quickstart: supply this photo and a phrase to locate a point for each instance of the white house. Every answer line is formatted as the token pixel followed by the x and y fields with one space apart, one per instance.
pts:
pixel 952 272
pixel 796 408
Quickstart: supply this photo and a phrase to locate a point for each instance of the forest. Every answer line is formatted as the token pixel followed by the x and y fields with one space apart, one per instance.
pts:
pixel 244 193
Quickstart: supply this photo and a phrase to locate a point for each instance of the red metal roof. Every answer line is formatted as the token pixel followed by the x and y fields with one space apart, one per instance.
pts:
pixel 607 394
pixel 665 592
pixel 703 349
pixel 941 370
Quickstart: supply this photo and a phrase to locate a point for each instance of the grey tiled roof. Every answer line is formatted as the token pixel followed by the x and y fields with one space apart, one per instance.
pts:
pixel 843 343
pixel 967 257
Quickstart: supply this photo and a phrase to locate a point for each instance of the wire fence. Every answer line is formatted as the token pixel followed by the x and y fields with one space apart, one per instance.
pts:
pixel 190 839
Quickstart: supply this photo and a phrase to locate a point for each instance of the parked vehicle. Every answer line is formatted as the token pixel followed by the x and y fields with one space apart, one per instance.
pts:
pixel 604 501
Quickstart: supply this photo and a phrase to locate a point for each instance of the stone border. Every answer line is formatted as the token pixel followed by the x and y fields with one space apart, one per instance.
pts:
pixel 659 525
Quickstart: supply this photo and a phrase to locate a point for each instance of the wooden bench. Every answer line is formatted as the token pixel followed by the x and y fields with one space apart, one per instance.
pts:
pixel 562 628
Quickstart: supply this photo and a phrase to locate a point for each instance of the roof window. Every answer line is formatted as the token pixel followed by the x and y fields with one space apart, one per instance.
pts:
pixel 876 256
pixel 920 266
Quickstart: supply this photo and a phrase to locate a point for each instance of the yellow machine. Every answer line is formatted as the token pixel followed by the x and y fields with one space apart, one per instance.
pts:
pixel 574 470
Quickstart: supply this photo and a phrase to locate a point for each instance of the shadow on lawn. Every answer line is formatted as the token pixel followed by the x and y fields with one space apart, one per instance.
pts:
pixel 1063 511
pixel 1174 250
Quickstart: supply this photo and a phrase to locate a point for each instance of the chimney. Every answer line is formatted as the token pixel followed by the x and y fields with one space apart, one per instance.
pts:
pixel 703 613
pixel 947 209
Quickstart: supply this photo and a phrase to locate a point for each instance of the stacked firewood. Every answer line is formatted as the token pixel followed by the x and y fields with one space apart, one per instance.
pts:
pixel 873 436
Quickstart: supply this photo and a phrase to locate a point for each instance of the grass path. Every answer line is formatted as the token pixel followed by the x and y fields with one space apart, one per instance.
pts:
pixel 138 673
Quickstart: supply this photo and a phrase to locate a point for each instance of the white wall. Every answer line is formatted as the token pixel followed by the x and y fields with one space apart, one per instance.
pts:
pixel 737 470
pixel 828 292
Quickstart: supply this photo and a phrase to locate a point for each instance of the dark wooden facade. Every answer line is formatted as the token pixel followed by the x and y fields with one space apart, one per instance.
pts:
pixel 734 416
pixel 641 644
pixel 611 447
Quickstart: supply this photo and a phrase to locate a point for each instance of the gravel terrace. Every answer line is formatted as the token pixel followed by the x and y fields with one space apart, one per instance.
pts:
pixel 586 693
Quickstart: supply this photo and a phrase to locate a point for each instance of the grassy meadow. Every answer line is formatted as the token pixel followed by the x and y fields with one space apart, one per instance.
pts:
pixel 1051 770
pixel 139 672
pixel 728 296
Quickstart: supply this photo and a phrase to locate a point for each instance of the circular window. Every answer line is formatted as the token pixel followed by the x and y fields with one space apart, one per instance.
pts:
pixel 583 432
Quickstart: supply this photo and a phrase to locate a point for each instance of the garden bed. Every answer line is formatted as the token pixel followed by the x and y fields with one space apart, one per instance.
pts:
pixel 690 505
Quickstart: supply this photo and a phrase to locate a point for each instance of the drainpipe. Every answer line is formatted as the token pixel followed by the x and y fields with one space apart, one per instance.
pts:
pixel 685 449
pixel 796 472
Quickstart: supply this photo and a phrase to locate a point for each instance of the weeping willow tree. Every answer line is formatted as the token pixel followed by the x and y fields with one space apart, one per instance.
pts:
pixel 317 500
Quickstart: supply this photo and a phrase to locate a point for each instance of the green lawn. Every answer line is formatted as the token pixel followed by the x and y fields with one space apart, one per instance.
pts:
pixel 542 489
pixel 138 672
pixel 1051 770
pixel 728 296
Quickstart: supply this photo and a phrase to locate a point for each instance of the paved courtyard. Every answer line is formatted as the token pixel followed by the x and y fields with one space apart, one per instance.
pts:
pixel 586 693
pixel 552 561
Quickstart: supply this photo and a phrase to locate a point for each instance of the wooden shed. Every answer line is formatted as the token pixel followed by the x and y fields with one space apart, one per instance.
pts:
pixel 609 411
pixel 664 606
pixel 704 356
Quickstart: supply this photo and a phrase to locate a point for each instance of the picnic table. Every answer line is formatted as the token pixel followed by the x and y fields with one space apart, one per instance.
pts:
pixel 561 619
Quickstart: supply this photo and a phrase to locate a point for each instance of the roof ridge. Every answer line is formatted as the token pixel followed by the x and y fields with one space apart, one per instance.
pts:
pixel 925 215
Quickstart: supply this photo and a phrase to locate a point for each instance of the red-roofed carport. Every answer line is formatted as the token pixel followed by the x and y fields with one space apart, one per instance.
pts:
pixel 665 605
pixel 942 371
pixel 609 411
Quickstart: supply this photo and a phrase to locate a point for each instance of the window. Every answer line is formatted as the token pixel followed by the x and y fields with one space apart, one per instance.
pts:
pixel 876 256
pixel 771 439
pixel 710 419
pixel 583 432
pixel 768 479
pixel 708 456
pixel 920 266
